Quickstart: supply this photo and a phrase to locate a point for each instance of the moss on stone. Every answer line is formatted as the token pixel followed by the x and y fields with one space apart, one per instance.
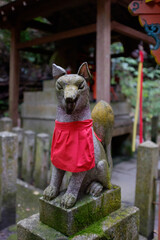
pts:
pixel 86 211
pixel 32 229
pixel 122 224
pixel 12 237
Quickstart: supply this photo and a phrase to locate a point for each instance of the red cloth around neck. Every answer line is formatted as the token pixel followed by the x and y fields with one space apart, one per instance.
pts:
pixel 72 146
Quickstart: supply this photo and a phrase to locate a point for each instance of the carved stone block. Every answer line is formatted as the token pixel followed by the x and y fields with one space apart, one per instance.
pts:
pixel 86 211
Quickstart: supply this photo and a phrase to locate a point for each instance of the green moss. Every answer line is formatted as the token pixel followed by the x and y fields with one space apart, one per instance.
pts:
pixel 27 202
pixel 12 228
pixel 32 228
pixel 117 225
pixel 96 210
pixel 95 228
pixel 12 237
pixel 53 216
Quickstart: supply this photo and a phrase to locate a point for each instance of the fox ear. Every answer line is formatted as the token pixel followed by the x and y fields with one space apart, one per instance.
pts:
pixel 84 71
pixel 57 71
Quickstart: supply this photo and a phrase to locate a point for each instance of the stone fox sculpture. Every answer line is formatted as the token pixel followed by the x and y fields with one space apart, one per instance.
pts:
pixel 73 108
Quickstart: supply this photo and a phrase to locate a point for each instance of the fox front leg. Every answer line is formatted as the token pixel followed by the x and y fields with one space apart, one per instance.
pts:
pixel 52 190
pixel 102 179
pixel 70 197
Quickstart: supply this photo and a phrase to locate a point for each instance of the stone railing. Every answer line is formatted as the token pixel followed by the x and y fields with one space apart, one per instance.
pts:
pixel 33 164
pixel 23 154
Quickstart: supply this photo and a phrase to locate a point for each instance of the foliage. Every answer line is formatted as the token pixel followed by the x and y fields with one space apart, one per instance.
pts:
pixel 127 70
pixel 33 64
pixel 5 37
pixel 116 48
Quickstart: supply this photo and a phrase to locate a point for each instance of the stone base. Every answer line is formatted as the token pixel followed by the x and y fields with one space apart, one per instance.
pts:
pixel 86 211
pixel 122 224
pixel 32 229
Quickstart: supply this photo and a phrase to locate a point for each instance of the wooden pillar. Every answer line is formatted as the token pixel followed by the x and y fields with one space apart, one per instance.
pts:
pixel 103 49
pixel 14 76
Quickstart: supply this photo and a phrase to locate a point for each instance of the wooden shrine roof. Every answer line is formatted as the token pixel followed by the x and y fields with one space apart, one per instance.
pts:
pixel 71 18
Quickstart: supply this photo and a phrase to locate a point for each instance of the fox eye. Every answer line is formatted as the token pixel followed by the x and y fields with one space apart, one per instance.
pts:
pixel 81 85
pixel 59 86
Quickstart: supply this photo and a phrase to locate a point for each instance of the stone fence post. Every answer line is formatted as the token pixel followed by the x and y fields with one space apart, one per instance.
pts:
pixel 8 177
pixel 5 124
pixel 42 160
pixel 19 132
pixel 147 164
pixel 28 156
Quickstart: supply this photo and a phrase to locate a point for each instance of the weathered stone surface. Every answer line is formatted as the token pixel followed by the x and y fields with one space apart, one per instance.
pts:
pixel 147 163
pixel 28 156
pixel 39 109
pixel 86 211
pixel 32 229
pixel 19 132
pixel 8 170
pixel 8 157
pixel 48 85
pixel 42 160
pixel 122 224
pixel 39 124
pixel 5 124
pixel 42 111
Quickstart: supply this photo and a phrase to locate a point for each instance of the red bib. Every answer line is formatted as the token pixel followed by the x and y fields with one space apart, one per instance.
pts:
pixel 72 146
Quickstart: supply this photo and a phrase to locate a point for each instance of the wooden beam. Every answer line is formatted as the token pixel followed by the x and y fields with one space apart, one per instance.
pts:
pixel 38 50
pixel 103 50
pixel 59 36
pixel 45 8
pixel 14 77
pixel 130 32
pixel 39 26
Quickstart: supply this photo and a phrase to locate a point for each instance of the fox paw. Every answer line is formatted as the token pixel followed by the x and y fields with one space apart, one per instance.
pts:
pixel 68 200
pixel 94 189
pixel 50 193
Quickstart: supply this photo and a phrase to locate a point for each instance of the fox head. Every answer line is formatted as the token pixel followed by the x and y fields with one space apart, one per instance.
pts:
pixel 72 89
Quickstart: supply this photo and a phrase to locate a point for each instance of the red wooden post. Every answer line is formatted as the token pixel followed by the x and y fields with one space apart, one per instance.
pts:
pixel 14 76
pixel 103 49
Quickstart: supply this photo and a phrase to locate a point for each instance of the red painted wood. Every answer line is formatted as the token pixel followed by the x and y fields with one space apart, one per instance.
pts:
pixel 141 7
pixel 149 13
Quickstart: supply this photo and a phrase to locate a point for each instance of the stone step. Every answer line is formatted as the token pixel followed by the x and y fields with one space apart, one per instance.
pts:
pixel 86 211
pixel 121 108
pixel 43 111
pixel 48 85
pixel 41 125
pixel 122 224
pixel 37 98
pixel 32 228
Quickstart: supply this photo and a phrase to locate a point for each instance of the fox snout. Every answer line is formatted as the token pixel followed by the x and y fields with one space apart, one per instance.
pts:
pixel 70 97
pixel 70 93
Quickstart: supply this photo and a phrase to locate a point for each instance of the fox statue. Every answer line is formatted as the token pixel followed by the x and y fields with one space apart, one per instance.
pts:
pixel 93 144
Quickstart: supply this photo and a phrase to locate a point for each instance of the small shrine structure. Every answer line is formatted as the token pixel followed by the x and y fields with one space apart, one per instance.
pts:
pixel 105 21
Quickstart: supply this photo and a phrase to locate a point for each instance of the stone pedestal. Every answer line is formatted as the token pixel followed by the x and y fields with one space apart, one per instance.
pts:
pixel 147 171
pixel 122 224
pixel 91 218
pixel 42 160
pixel 5 124
pixel 85 212
pixel 19 132
pixel 28 156
pixel 8 177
